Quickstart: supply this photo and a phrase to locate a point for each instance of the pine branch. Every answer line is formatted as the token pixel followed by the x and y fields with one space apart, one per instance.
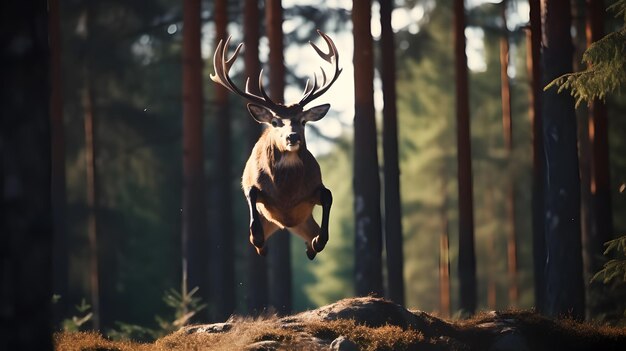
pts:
pixel 606 66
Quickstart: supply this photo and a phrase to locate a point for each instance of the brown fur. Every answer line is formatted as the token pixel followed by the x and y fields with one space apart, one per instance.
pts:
pixel 289 192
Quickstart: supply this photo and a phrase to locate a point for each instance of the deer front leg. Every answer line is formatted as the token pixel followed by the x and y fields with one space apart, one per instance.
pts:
pixel 256 226
pixel 326 200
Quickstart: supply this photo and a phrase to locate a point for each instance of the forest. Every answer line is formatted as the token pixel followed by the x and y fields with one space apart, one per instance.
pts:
pixel 475 152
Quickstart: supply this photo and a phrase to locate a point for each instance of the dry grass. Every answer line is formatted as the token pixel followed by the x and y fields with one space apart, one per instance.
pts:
pixel 383 338
pixel 248 331
pixel 542 334
pixel 545 333
pixel 243 333
pixel 92 341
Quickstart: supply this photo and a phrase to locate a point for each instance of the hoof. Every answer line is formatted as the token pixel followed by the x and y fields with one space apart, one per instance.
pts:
pixel 317 244
pixel 310 253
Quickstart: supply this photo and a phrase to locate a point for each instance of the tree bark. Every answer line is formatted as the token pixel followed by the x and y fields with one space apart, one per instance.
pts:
pixel 92 200
pixel 564 281
pixel 601 219
pixel 280 251
pixel 91 174
pixel 25 212
pixel 393 210
pixel 444 253
pixel 368 238
pixel 507 133
pixel 534 70
pixel 256 294
pixel 57 176
pixel 222 252
pixel 194 228
pixel 467 257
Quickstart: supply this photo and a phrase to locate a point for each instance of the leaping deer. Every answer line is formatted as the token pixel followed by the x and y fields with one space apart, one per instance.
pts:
pixel 282 180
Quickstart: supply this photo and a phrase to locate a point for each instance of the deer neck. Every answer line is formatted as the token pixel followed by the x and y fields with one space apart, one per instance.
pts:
pixel 287 160
pixel 287 168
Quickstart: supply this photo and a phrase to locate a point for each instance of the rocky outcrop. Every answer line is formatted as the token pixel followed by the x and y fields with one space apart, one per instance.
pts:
pixel 333 327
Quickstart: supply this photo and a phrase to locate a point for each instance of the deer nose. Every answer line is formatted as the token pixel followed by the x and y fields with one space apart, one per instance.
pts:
pixel 293 138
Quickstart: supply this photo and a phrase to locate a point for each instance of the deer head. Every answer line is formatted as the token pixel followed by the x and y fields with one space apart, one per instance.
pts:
pixel 286 121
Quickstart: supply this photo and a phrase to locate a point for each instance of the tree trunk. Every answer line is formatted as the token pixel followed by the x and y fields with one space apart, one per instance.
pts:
pixel 492 256
pixel 25 219
pixel 534 71
pixel 194 228
pixel 92 200
pixel 222 252
pixel 507 131
pixel 564 281
pixel 256 294
pixel 368 238
pixel 467 258
pixel 444 253
pixel 90 169
pixel 280 251
pixel 57 167
pixel 393 210
pixel 601 219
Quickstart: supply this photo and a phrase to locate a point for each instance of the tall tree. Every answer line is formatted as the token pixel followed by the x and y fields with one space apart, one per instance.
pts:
pixel 57 167
pixel 444 252
pixel 280 251
pixel 563 267
pixel 601 219
pixel 91 173
pixel 507 133
pixel 393 211
pixel 222 252
pixel 92 199
pixel 492 259
pixel 467 256
pixel 256 293
pixel 368 238
pixel 533 40
pixel 194 228
pixel 25 213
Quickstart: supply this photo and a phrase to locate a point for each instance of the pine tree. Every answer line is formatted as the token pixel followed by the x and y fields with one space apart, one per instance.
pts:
pixel 368 238
pixel 606 66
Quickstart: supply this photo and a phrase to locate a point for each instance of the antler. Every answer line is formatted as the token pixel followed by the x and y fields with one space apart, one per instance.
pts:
pixel 222 67
pixel 313 92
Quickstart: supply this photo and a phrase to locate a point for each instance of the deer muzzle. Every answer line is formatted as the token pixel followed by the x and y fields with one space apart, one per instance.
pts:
pixel 293 141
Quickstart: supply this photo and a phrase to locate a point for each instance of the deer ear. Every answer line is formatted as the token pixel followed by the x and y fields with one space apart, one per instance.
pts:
pixel 260 113
pixel 316 113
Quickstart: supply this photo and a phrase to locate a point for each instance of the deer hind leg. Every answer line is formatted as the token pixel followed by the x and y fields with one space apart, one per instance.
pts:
pixel 307 230
pixel 326 200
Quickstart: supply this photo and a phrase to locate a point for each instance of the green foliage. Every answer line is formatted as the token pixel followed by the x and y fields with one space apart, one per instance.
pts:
pixel 75 323
pixel 613 276
pixel 620 8
pixel 614 269
pixel 606 66
pixel 185 306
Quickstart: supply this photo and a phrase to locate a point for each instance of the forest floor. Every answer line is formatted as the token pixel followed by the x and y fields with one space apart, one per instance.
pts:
pixel 371 324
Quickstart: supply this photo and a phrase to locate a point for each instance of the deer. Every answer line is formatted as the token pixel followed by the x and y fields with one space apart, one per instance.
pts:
pixel 282 180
